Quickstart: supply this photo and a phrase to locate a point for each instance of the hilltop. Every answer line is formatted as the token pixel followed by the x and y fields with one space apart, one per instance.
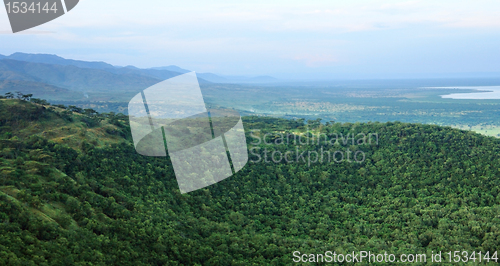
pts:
pixel 61 124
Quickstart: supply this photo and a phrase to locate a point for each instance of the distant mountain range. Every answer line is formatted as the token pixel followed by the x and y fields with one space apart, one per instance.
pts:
pixel 56 60
pixel 159 73
pixel 76 78
pixel 40 90
pixel 55 78
pixel 172 68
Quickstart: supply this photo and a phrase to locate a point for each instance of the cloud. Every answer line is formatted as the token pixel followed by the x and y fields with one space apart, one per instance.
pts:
pixel 314 16
pixel 478 21
pixel 317 60
pixel 398 8
pixel 226 35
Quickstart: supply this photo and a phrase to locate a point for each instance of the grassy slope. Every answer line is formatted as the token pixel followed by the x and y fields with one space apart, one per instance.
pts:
pixel 27 119
pixel 53 123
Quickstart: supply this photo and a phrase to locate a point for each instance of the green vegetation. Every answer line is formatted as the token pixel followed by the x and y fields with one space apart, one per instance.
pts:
pixel 80 195
pixel 343 104
pixel 63 125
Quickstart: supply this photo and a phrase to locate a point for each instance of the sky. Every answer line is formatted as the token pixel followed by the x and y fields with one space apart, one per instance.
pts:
pixel 286 38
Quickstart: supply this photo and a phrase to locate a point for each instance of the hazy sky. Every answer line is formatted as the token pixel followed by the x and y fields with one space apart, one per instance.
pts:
pixel 310 39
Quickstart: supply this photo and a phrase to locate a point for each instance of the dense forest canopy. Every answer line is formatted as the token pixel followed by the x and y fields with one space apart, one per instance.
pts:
pixel 73 191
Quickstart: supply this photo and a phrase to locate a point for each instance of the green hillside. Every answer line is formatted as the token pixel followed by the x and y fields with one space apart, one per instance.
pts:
pixel 60 124
pixel 73 191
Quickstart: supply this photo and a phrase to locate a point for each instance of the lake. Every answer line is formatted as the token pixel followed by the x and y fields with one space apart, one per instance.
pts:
pixel 487 93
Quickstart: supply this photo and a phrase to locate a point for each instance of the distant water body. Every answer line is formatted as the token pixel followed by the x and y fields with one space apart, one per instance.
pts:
pixel 487 93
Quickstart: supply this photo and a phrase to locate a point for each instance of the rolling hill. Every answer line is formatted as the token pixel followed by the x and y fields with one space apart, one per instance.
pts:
pixel 74 191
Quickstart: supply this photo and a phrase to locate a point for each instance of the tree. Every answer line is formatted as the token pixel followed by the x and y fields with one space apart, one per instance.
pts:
pixel 90 112
pixel 39 101
pixel 26 97
pixel 75 109
pixel 19 95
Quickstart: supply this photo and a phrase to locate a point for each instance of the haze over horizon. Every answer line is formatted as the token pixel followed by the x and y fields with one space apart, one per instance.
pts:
pixel 283 39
